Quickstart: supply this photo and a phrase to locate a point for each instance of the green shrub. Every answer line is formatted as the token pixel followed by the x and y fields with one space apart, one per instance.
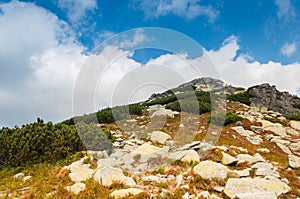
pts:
pixel 294 117
pixel 38 142
pixel 94 138
pixel 296 106
pixel 240 97
pixel 223 118
pixel 190 105
pixel 162 100
pixel 136 109
pixel 105 116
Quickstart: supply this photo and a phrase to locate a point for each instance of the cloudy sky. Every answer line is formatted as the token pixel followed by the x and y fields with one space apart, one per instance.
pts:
pixel 46 45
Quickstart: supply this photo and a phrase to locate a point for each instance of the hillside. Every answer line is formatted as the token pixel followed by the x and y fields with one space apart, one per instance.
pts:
pixel 165 149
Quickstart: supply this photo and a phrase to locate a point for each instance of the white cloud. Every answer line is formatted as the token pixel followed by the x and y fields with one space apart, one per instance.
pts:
pixel 285 9
pixel 288 49
pixel 77 9
pixel 39 61
pixel 188 9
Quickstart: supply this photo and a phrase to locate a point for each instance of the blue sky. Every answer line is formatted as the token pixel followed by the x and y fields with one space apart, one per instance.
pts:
pixel 45 43
pixel 262 27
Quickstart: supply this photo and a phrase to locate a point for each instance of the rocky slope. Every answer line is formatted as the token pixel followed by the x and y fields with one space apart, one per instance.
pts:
pixel 257 157
pixel 253 158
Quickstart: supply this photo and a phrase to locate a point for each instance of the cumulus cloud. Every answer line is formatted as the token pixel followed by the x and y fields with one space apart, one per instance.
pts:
pixel 77 9
pixel 288 49
pixel 39 60
pixel 285 9
pixel 188 9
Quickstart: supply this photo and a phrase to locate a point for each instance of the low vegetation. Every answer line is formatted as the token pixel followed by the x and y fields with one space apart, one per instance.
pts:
pixel 240 97
pixel 294 117
pixel 46 142
pixel 225 119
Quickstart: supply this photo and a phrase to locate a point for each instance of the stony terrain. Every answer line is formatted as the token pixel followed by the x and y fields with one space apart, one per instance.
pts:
pixel 169 154
pixel 255 158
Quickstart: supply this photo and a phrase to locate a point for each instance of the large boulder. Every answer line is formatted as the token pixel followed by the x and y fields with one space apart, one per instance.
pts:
pixel 237 186
pixel 160 137
pixel 211 170
pixel 107 176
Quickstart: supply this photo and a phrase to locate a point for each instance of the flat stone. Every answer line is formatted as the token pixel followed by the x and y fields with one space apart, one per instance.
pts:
pixel 251 159
pixel 147 151
pixel 76 188
pixel 185 156
pixel 159 137
pixel 277 129
pixel 125 192
pixel 109 162
pixel 236 186
pixel 294 161
pixel 107 176
pixel 257 129
pixel 263 150
pixel 257 195
pixel 228 159
pixel 295 124
pixel 292 131
pixel 81 175
pixel 243 173
pixel 211 170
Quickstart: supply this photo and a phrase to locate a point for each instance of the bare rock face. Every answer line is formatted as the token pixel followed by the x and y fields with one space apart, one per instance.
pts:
pixel 267 97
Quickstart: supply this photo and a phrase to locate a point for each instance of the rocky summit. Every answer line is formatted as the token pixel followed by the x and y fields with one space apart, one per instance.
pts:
pixel 256 155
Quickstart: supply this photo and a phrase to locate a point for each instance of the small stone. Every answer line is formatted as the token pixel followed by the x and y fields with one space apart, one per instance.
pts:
pixel 294 161
pixel 125 192
pixel 26 178
pixel 228 159
pixel 19 176
pixel 263 150
pixel 76 188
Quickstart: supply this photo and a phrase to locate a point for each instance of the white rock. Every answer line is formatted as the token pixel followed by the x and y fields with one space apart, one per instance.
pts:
pixel 185 156
pixel 147 151
pixel 186 196
pixel 76 188
pixel 19 176
pixel 211 170
pixel 228 159
pixel 109 162
pixel 203 195
pixel 81 175
pixel 125 192
pixel 257 195
pixel 263 150
pixel 243 173
pixel 251 159
pixel 235 186
pixel 295 124
pixel 160 137
pixel 277 129
pixel 294 161
pixel 107 176
pixel 26 178
pixel 292 131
